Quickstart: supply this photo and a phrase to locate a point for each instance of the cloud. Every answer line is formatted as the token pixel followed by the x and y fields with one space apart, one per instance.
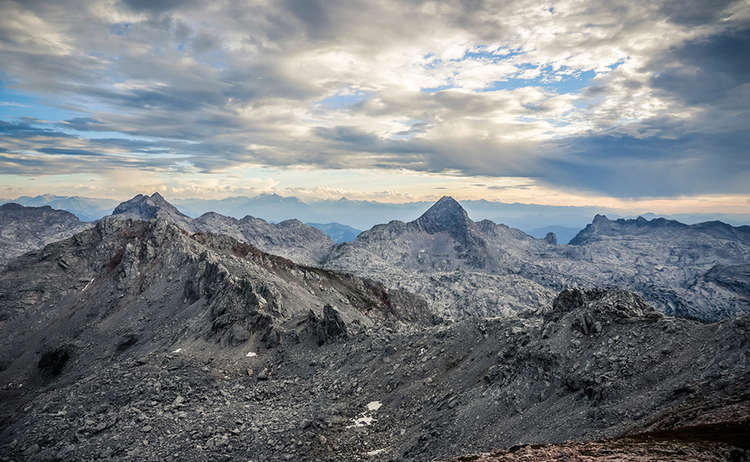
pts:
pixel 652 166
pixel 587 96
pixel 707 70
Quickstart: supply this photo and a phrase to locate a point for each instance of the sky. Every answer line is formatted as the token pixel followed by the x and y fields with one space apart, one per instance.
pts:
pixel 630 104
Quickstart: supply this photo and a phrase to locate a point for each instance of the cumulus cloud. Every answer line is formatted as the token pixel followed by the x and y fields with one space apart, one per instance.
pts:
pixel 623 98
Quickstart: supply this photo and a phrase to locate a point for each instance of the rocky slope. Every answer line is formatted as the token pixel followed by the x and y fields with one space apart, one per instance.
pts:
pixel 152 285
pixel 591 365
pixel 602 229
pixel 23 229
pixel 468 268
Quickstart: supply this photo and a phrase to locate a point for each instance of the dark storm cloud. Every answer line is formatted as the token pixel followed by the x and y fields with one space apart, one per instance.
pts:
pixel 156 6
pixel 25 128
pixel 705 70
pixel 695 12
pixel 30 144
pixel 68 152
pixel 626 166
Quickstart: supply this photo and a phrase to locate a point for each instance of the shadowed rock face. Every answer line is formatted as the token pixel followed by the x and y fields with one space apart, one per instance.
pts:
pixel 446 215
pixel 328 328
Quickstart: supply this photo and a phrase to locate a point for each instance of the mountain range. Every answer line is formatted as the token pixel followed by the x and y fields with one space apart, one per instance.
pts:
pixel 536 220
pixel 467 268
pixel 152 335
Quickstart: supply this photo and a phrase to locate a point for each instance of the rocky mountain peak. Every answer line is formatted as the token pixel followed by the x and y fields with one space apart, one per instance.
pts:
pixel 445 215
pixel 146 207
pixel 600 219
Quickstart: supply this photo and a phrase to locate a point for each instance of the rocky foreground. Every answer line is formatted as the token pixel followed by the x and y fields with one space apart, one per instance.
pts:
pixel 594 365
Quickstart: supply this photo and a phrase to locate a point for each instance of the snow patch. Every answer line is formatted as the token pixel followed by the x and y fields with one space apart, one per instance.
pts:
pixel 177 350
pixel 365 419
pixel 374 405
pixel 251 354
pixel 375 452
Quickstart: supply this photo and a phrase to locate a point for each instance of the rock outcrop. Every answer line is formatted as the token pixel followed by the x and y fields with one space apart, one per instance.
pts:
pixel 327 329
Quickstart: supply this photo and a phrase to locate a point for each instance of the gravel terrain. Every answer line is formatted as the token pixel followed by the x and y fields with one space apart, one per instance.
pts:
pixel 593 365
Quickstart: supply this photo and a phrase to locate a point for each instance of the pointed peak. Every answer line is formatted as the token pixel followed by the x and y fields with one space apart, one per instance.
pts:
pixel 446 205
pixel 447 201
pixel 445 215
pixel 157 197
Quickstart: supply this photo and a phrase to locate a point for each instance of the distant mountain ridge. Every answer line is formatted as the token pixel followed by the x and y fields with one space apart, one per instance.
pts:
pixel 469 268
pixel 601 227
pixel 85 208
pixel 480 268
pixel 362 214
pixel 338 232
pixel 290 238
pixel 23 229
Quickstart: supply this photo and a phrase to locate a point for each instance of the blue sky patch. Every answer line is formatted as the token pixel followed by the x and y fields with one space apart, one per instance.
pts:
pixel 343 99
pixel 17 104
